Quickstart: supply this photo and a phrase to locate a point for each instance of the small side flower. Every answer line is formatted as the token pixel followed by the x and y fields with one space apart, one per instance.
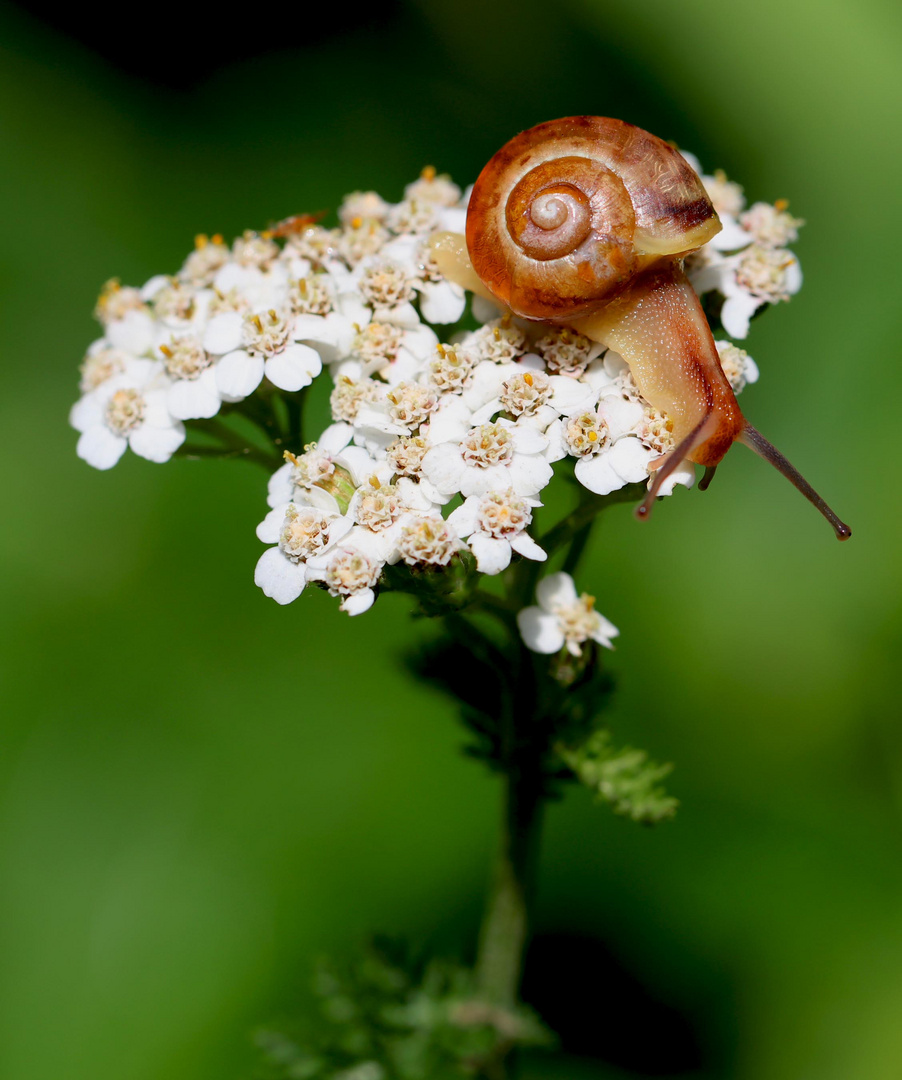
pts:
pixel 563 619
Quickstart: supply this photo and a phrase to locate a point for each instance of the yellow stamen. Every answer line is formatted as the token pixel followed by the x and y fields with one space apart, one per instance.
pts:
pixel 593 436
pixel 267 234
pixel 201 241
pixel 356 222
pixel 428 173
pixel 781 205
pixel 166 351
pixel 257 323
pixel 528 379
pixel 375 482
pixel 440 349
pixel 273 317
pixel 506 321
pixel 216 238
pixel 496 333
pixel 288 456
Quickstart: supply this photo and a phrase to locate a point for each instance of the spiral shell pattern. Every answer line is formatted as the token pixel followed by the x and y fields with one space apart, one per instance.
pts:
pixel 566 213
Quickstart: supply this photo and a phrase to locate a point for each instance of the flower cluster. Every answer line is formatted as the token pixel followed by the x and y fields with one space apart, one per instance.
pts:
pixel 748 263
pixel 448 415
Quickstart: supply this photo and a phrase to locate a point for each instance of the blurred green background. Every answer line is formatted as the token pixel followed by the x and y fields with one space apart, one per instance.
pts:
pixel 200 791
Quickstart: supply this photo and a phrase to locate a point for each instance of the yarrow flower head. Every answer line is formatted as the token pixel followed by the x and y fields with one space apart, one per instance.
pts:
pixel 448 417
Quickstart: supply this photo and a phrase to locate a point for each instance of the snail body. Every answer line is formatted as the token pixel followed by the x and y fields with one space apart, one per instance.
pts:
pixel 585 222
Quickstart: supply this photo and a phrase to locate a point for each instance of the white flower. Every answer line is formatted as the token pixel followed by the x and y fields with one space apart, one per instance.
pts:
pixel 194 393
pixel 739 368
pixel 121 414
pixel 491 457
pixel 269 349
pixel 563 619
pixel 300 532
pixel 429 540
pixel 496 524
pixel 441 301
pixel 756 276
pixel 349 571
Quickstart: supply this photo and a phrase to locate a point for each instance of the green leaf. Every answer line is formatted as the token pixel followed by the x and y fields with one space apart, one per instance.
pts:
pixel 385 1017
pixel 623 777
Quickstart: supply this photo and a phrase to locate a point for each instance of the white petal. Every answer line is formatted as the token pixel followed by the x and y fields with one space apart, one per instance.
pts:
pixel 452 218
pixel 492 555
pixel 151 287
pixel 621 416
pixel 556 590
pixel 420 342
pixel 279 577
pixel 294 367
pixel 450 422
pixel 194 399
pixel 335 438
pixel 793 280
pixel 156 443
pixel 732 236
pixel 223 333
pixel 570 396
pixel 529 473
pixel 541 632
pixel 444 468
pixel 442 302
pixel 134 333
pixel 271 526
pixel 683 474
pixel 464 518
pixel 625 463
pixel 605 632
pixel 87 412
pixel 416 496
pixel 238 374
pixel 484 413
pixel 401 315
pixel 280 487
pixel 359 602
pixel 528 440
pixel 476 481
pixel 557 447
pixel 524 545
pixel 598 376
pixel 737 312
pixel 358 462
pixel 99 447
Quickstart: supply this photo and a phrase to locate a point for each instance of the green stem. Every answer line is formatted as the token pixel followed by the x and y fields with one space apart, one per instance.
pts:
pixel 232 444
pixel 524 749
pixel 505 927
pixel 294 438
pixel 584 513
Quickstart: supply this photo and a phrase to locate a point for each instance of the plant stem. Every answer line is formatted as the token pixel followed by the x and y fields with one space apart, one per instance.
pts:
pixel 505 926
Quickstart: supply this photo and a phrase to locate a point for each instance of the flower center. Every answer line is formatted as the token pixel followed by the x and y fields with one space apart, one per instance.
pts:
pixel 305 532
pixel 124 411
pixel 489 444
pixel 185 358
pixel 265 334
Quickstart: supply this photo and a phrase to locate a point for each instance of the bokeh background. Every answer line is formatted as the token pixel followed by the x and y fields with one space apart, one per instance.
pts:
pixel 200 792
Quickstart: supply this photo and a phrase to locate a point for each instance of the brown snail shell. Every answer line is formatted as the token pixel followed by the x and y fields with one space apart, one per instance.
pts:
pixel 566 213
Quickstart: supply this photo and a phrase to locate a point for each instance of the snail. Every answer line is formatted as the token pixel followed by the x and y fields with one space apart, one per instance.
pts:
pixel 585 222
